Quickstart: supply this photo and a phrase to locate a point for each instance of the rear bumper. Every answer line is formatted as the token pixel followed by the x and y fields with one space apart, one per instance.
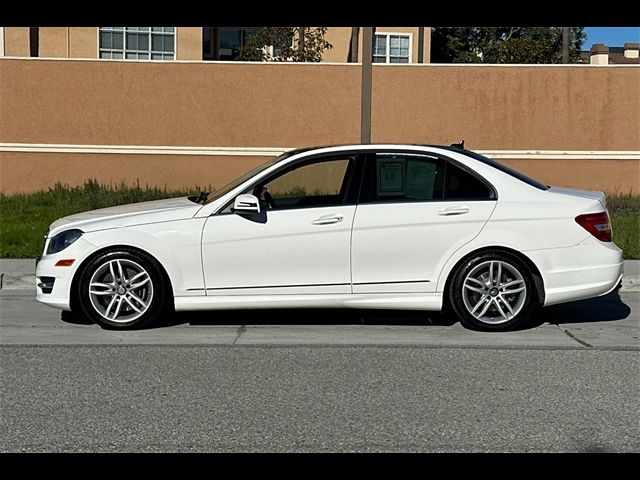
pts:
pixel 589 269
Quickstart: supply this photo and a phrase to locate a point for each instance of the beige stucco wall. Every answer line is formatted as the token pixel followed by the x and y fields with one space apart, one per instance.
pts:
pixel 69 42
pixel 83 42
pixel 234 104
pixel 611 176
pixel 169 103
pixel 340 39
pixel 426 55
pixel 54 42
pixel 20 172
pixel 16 41
pixel 509 106
pixel 577 108
pixel 189 43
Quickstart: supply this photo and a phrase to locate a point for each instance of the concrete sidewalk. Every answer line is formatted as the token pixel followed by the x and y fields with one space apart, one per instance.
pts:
pixel 18 274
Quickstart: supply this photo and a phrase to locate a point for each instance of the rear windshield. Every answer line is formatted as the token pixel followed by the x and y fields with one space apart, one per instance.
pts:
pixel 503 168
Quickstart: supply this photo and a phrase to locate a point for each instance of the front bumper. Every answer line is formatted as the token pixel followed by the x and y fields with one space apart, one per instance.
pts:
pixel 53 284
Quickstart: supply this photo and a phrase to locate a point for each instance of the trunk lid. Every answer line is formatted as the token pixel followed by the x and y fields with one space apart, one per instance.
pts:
pixel 574 192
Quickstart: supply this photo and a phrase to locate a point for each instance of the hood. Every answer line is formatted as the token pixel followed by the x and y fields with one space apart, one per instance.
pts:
pixel 127 215
pixel 599 196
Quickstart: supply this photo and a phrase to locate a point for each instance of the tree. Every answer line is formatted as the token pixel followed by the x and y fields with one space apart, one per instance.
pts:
pixel 285 44
pixel 503 44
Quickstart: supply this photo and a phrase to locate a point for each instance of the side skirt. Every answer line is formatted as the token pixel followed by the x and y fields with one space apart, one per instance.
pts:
pixel 406 301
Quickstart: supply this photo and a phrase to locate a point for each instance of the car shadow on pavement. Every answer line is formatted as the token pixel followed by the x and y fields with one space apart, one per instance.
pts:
pixel 306 316
pixel 74 319
pixel 607 308
pixel 296 316
pixel 601 309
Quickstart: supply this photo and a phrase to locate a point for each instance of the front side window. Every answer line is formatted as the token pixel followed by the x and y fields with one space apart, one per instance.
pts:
pixel 389 48
pixel 318 184
pixel 137 43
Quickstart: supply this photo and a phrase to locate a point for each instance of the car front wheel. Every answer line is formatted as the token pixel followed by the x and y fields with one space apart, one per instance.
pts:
pixel 493 291
pixel 122 289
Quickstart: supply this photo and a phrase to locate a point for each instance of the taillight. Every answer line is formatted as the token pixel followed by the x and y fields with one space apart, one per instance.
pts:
pixel 597 224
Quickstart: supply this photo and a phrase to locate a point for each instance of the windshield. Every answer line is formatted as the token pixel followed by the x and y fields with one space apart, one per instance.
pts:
pixel 240 180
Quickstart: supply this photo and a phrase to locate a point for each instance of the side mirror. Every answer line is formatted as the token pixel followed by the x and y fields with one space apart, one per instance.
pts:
pixel 246 203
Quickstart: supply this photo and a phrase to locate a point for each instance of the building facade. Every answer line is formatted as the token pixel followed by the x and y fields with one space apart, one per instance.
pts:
pixel 391 44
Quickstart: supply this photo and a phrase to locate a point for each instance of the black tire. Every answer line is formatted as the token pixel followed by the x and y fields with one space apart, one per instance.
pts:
pixel 155 293
pixel 476 269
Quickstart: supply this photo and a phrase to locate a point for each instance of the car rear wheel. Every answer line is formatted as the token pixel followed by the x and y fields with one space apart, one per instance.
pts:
pixel 493 291
pixel 122 289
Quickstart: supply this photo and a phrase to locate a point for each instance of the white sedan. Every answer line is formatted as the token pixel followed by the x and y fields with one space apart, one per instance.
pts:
pixel 361 226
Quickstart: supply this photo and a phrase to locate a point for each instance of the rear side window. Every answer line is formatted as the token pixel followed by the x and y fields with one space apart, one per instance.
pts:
pixel 400 177
pixel 462 185
pixel 397 177
pixel 503 168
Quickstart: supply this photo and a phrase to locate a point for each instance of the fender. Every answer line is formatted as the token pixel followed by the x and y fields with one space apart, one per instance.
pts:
pixel 181 258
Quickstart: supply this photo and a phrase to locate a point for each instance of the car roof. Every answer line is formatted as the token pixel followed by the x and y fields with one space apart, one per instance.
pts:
pixel 370 146
pixel 366 147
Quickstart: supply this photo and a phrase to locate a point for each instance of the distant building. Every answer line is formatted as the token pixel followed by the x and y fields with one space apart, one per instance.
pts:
pixel 600 54
pixel 390 45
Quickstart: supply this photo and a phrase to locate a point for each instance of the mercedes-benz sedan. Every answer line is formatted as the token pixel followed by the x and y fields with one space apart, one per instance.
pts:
pixel 362 226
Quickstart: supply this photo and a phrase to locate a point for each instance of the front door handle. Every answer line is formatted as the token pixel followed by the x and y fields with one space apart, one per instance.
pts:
pixel 328 219
pixel 454 210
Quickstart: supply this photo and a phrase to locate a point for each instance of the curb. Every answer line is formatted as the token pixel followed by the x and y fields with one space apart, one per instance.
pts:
pixel 18 274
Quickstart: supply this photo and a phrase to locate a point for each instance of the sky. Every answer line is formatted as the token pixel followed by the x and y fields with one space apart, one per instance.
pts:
pixel 611 36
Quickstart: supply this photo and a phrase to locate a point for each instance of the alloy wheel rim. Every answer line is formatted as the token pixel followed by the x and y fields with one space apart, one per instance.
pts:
pixel 121 290
pixel 494 292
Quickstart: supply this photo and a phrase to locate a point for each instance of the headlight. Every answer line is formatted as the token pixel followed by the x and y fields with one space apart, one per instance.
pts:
pixel 63 240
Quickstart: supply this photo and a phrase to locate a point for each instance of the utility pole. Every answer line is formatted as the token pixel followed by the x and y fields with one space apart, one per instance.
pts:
pixel 565 44
pixel 365 101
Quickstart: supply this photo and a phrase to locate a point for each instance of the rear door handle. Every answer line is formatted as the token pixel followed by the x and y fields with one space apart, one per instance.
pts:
pixel 328 219
pixel 454 210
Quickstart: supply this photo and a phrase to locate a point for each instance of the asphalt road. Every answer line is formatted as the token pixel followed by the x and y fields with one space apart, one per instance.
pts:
pixel 321 381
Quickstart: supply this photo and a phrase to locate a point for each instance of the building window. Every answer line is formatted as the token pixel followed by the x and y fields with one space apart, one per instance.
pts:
pixel 138 43
pixel 390 48
pixel 223 43
pixel 230 40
